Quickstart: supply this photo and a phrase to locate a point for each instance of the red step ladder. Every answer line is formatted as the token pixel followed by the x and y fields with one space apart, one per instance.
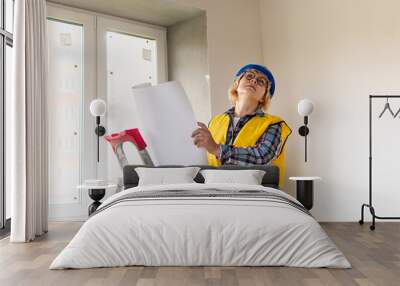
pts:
pixel 117 141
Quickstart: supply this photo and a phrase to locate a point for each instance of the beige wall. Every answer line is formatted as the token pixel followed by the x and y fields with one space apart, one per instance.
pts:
pixel 234 39
pixel 336 53
pixel 188 62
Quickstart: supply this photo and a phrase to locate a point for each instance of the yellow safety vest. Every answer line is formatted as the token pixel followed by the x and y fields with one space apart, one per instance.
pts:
pixel 248 136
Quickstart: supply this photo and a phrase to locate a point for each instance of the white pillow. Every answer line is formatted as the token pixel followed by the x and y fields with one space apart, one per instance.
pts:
pixel 163 176
pixel 249 177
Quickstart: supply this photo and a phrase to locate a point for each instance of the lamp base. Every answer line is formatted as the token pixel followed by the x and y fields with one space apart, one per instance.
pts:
pixel 100 130
pixel 303 130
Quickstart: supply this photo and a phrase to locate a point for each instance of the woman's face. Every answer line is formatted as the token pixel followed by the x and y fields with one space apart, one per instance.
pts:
pixel 254 85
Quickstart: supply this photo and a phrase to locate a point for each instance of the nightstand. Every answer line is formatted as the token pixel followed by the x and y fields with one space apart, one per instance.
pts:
pixel 305 190
pixel 96 193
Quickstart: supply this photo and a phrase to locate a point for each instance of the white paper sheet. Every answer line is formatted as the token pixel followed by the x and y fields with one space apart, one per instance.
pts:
pixel 166 120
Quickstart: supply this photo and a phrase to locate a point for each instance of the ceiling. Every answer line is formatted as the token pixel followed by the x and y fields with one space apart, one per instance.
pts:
pixel 159 12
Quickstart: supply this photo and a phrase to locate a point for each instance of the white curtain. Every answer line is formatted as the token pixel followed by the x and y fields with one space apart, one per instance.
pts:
pixel 28 130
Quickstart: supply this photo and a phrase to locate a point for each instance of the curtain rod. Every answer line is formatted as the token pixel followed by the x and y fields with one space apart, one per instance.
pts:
pixel 384 96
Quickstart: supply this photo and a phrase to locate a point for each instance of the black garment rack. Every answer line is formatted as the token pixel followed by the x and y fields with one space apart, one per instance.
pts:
pixel 370 205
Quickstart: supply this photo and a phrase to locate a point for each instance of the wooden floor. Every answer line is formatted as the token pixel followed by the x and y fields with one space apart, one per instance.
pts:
pixel 375 256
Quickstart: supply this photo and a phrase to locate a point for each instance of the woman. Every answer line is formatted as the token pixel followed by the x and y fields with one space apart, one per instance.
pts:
pixel 245 134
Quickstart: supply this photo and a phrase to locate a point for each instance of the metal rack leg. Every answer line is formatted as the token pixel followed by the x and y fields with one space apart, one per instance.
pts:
pixel 374 216
pixel 361 221
pixel 372 210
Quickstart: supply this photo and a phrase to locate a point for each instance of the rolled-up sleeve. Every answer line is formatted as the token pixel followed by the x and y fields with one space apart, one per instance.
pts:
pixel 263 152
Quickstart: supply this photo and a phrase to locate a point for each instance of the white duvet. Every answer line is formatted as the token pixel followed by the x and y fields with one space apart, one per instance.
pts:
pixel 200 231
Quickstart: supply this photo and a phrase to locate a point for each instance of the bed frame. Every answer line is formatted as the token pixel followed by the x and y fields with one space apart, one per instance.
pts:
pixel 270 179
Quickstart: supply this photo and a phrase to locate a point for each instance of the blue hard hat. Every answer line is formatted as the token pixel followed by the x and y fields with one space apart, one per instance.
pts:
pixel 260 69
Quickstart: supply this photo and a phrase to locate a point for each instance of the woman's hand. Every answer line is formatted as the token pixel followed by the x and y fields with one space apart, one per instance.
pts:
pixel 202 138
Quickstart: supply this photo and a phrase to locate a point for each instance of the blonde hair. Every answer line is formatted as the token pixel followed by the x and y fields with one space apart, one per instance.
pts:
pixel 233 95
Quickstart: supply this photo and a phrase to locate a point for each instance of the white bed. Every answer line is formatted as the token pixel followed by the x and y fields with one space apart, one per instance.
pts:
pixel 185 230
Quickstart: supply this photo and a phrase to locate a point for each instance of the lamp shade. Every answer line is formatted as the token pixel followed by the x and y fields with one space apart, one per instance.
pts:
pixel 305 107
pixel 98 107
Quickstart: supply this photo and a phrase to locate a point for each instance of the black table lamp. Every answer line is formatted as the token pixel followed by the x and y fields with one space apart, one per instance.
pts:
pixel 305 108
pixel 97 109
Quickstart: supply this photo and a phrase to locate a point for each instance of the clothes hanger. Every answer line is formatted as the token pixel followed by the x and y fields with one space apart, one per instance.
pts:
pixel 397 113
pixel 387 107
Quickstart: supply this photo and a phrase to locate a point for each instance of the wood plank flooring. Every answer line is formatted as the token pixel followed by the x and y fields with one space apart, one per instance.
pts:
pixel 375 257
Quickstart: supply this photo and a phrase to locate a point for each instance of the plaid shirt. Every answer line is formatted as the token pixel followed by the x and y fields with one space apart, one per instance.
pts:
pixel 263 152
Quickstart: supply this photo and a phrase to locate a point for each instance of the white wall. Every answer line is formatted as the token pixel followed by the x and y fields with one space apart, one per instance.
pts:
pixel 234 39
pixel 188 62
pixel 336 53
